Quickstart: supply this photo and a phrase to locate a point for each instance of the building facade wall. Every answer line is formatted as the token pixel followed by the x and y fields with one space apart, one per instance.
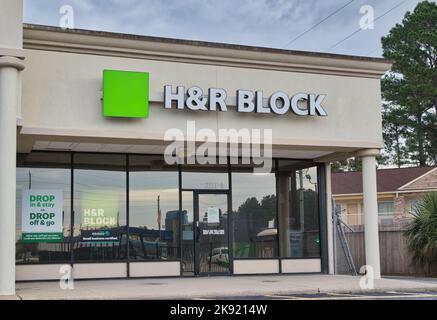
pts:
pixel 68 87
pixel 62 102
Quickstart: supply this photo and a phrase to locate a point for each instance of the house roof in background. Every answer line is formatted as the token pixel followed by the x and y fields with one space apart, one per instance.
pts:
pixel 387 179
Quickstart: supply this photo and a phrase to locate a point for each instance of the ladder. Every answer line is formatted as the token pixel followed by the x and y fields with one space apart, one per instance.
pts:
pixel 344 243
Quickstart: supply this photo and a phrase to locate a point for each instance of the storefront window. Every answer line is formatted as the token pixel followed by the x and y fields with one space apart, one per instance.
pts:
pixel 270 212
pixel 208 176
pixel 298 209
pixel 254 214
pixel 153 209
pixel 43 229
pixel 99 207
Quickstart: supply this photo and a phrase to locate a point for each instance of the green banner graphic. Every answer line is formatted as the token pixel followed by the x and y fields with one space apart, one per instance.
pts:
pixel 42 216
pixel 99 210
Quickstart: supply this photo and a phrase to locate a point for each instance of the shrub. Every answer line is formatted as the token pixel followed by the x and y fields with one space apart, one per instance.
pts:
pixel 422 231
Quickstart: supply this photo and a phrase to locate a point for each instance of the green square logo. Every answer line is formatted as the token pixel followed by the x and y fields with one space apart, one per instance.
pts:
pixel 125 94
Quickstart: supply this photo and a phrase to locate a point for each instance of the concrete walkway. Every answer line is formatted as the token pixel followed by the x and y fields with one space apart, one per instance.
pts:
pixel 192 288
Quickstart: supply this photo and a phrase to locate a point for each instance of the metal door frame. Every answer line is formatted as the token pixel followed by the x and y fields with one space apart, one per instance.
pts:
pixel 196 194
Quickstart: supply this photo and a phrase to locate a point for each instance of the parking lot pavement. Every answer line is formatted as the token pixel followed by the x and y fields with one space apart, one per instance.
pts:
pixel 265 287
pixel 387 295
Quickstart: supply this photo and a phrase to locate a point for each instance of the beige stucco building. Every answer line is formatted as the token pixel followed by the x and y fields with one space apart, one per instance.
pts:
pixel 123 210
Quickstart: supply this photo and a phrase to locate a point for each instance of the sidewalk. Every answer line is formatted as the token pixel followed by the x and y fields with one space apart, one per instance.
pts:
pixel 192 288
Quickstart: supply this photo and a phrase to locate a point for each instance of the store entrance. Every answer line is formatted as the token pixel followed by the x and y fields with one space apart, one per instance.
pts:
pixel 210 234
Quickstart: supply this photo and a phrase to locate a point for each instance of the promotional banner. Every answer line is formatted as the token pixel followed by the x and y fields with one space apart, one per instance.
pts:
pixel 100 217
pixel 42 216
pixel 99 210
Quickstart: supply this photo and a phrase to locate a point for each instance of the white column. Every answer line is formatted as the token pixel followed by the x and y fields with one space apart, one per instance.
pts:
pixel 9 97
pixel 371 232
pixel 11 63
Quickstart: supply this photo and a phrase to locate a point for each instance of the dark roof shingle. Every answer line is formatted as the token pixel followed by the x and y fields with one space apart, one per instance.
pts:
pixel 387 179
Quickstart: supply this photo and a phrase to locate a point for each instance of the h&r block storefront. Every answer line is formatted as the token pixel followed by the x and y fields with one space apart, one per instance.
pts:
pixel 92 186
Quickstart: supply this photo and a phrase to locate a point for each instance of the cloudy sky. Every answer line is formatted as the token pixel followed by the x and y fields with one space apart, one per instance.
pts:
pixel 267 23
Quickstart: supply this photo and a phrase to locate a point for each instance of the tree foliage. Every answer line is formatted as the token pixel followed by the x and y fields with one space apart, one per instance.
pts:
pixel 410 89
pixel 351 164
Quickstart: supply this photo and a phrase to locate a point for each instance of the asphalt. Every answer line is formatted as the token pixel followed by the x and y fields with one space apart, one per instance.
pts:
pixel 384 295
pixel 237 287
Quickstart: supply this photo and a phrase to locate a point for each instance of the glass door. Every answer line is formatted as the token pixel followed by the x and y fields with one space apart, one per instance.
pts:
pixel 211 233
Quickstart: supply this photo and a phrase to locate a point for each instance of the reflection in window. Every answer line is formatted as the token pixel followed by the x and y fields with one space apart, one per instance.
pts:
pixel 153 209
pixel 213 233
pixel 254 215
pixel 298 210
pixel 54 174
pixel 99 207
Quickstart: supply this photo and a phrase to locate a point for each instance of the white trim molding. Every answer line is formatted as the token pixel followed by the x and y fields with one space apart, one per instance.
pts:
pixel 199 52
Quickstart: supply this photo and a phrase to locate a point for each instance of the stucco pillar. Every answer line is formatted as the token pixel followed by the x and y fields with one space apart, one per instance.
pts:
pixel 9 97
pixel 371 232
pixel 11 63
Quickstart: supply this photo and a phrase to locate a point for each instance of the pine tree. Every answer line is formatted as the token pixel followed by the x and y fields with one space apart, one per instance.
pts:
pixel 395 129
pixel 410 89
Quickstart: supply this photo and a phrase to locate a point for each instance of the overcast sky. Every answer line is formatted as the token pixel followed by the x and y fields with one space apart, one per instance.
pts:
pixel 267 23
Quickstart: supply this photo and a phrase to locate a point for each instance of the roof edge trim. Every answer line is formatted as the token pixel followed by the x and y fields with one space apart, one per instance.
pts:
pixel 155 48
